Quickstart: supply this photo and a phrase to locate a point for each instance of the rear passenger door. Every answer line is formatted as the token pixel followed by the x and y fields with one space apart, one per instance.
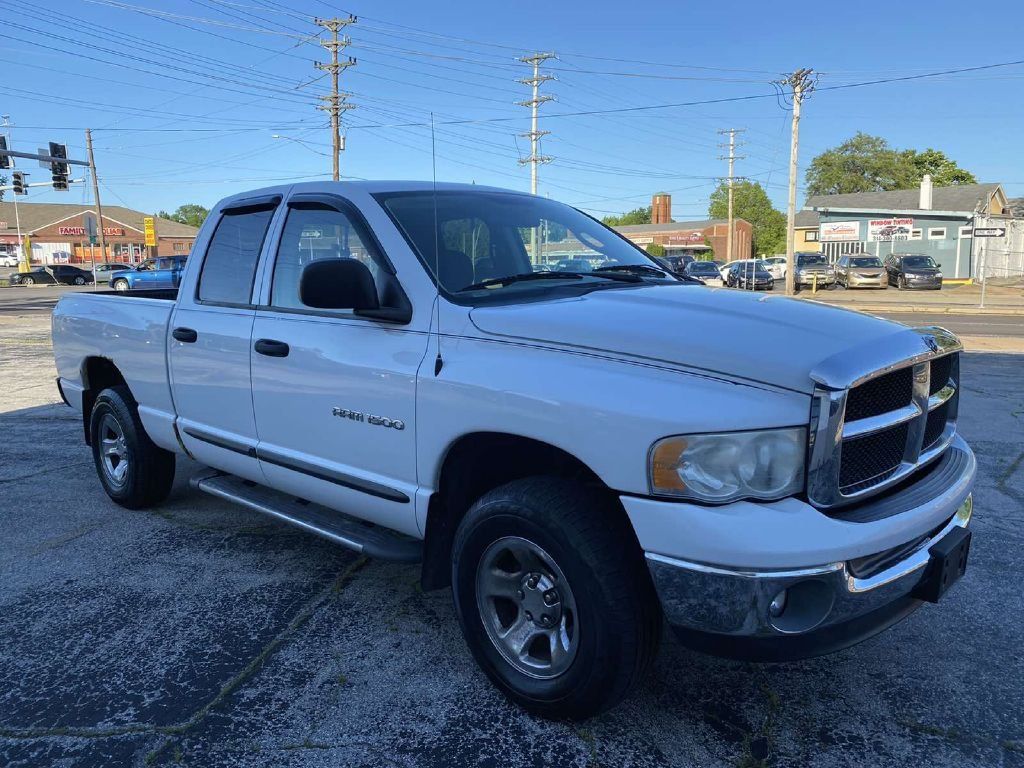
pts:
pixel 210 339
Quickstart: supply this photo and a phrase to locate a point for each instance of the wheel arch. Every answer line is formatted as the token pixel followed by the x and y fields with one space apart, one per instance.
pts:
pixel 474 464
pixel 98 373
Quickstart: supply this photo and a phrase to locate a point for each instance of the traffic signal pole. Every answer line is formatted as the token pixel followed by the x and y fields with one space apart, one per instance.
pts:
pixel 96 197
pixel 23 258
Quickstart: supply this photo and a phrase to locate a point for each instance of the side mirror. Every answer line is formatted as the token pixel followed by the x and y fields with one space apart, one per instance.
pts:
pixel 338 284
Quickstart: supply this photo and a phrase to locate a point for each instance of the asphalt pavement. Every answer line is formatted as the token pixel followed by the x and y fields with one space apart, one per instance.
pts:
pixel 200 634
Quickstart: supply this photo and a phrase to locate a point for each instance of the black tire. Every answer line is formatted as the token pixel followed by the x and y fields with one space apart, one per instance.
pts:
pixel 79 280
pixel 27 281
pixel 148 469
pixel 591 542
pixel 901 283
pixel 120 285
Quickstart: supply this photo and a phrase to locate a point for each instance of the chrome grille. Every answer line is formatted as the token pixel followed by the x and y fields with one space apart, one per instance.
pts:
pixel 881 425
pixel 880 395
pixel 872 458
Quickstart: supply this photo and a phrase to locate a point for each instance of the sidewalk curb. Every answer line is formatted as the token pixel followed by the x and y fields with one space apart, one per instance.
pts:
pixel 921 308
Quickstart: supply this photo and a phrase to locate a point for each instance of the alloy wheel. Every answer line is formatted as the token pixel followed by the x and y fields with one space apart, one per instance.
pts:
pixel 527 607
pixel 113 451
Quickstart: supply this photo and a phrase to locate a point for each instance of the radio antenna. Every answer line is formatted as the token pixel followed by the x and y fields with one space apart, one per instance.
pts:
pixel 438 362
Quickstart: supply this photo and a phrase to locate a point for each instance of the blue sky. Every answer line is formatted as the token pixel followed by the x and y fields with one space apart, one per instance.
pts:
pixel 184 103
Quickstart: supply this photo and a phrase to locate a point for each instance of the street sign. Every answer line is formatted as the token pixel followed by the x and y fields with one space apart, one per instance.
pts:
pixel 149 225
pixel 89 222
pixel 990 232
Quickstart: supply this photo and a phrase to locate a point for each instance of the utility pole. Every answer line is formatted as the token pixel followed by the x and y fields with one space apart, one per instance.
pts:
pixel 732 158
pixel 534 135
pixel 96 195
pixel 802 84
pixel 334 103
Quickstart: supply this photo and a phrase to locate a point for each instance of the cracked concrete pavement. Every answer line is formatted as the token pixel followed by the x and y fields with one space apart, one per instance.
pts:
pixel 200 634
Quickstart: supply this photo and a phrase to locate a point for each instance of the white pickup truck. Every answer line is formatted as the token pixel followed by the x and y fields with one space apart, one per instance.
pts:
pixel 579 454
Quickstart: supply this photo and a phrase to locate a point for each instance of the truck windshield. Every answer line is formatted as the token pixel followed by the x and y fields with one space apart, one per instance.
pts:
pixel 809 259
pixel 486 243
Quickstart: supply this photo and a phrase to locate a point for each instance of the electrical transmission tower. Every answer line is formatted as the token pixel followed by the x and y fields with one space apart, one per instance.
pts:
pixel 334 103
pixel 732 157
pixel 534 135
pixel 802 83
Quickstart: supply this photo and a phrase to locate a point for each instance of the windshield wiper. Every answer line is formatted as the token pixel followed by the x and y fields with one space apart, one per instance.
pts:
pixel 646 269
pixel 522 277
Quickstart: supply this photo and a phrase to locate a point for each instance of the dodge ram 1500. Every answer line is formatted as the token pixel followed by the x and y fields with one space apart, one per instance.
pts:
pixel 581 454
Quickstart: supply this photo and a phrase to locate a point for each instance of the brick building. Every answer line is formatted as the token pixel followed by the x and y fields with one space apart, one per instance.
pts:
pixel 56 233
pixel 693 238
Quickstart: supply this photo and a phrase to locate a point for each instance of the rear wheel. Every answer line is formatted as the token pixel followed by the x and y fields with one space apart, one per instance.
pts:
pixel 79 280
pixel 134 471
pixel 120 285
pixel 553 596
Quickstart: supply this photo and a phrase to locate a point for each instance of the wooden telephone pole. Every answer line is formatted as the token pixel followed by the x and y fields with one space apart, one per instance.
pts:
pixel 334 103
pixel 802 84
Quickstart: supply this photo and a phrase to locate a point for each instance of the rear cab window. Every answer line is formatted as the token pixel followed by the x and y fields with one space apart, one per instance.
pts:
pixel 229 268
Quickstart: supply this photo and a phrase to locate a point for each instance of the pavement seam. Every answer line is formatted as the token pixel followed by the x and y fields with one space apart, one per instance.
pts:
pixel 178 729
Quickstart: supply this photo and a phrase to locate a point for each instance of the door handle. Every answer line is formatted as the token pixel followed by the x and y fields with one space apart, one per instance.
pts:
pixel 271 348
pixel 186 335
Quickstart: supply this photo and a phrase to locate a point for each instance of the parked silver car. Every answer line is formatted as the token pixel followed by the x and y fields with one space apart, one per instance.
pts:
pixel 861 270
pixel 814 269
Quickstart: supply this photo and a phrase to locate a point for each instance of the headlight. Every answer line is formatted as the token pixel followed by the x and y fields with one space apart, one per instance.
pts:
pixel 720 467
pixel 938 275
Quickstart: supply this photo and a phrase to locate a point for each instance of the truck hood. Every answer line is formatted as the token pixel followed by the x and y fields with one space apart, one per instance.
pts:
pixel 738 335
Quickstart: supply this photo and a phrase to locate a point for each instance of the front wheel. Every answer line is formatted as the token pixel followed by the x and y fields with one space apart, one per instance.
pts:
pixel 27 281
pixel 901 283
pixel 553 596
pixel 79 280
pixel 120 285
pixel 134 471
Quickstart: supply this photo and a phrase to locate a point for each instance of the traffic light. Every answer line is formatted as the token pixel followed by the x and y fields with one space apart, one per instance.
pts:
pixel 18 182
pixel 59 170
pixel 5 161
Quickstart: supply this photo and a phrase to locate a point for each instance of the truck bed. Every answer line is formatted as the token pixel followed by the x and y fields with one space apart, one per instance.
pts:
pixel 129 330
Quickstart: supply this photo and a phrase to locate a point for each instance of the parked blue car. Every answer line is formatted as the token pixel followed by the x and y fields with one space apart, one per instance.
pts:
pixel 162 272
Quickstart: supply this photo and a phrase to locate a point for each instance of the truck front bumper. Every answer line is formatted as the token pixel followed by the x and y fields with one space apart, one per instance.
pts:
pixel 755 607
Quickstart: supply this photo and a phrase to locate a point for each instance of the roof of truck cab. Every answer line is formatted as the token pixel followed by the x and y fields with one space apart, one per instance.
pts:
pixel 372 187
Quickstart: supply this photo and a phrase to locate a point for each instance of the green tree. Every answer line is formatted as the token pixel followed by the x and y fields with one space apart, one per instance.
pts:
pixel 868 163
pixel 636 216
pixel 751 202
pixel 656 249
pixel 191 213
pixel 944 172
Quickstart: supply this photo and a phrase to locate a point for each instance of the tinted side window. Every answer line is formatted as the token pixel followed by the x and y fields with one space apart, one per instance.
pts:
pixel 314 232
pixel 230 264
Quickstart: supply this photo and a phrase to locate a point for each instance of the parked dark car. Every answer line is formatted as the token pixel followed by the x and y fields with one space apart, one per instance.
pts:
pixel 573 265
pixel 679 263
pixel 50 275
pixel 913 270
pixel 705 271
pixel 749 274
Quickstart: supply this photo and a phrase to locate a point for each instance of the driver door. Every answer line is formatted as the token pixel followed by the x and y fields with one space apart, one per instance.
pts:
pixel 334 392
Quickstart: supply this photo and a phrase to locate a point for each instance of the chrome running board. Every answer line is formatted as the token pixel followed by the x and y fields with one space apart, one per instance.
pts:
pixel 364 538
